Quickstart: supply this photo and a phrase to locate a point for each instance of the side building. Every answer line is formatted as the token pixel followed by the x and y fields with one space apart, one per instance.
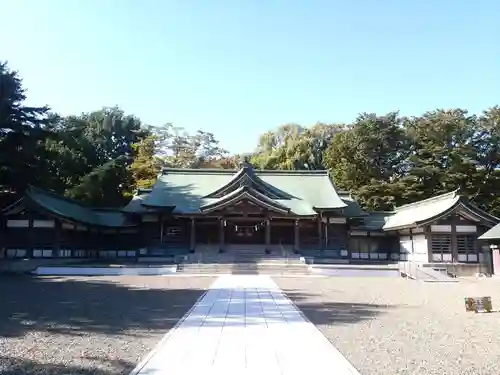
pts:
pixel 443 232
pixel 236 211
pixel 492 238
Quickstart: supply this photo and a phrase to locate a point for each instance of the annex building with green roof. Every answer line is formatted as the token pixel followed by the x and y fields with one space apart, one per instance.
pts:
pixel 267 212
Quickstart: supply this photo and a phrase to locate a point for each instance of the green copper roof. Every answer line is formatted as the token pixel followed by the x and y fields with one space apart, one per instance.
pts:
pixel 492 234
pixel 412 214
pixel 302 192
pixel 376 220
pixel 74 211
pixel 353 209
pixel 245 192
pixel 427 210
pixel 135 205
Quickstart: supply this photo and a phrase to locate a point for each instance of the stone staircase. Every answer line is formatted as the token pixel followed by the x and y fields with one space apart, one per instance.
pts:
pixel 417 271
pixel 249 260
pixel 274 268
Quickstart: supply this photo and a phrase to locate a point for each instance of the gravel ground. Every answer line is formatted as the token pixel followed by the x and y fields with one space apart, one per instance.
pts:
pixel 88 325
pixel 390 326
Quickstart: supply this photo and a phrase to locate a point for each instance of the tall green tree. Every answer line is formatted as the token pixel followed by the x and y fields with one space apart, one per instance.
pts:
pixel 107 185
pixel 368 158
pixel 294 147
pixel 22 128
pixel 443 154
pixel 146 165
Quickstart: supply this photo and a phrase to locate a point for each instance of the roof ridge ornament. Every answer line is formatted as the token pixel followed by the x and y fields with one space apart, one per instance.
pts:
pixel 245 162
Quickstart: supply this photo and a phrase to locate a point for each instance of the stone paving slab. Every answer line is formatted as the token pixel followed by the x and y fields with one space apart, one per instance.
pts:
pixel 245 325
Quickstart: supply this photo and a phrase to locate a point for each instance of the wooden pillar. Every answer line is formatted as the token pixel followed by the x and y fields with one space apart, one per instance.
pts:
pixel 57 238
pixel 192 241
pixel 326 235
pixel 268 233
pixel 348 241
pixel 296 235
pixel 454 242
pixel 221 233
pixel 3 234
pixel 320 237
pixel 161 229
pixel 31 236
pixel 428 237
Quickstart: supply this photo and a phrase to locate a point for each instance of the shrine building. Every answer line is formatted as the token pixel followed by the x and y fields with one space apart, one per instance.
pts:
pixel 271 212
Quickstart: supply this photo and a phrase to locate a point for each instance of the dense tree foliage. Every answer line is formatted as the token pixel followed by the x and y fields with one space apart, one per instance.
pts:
pixel 22 128
pixel 385 160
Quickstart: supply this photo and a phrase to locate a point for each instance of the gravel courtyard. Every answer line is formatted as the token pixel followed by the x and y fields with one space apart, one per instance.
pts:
pixel 384 326
pixel 388 326
pixel 97 325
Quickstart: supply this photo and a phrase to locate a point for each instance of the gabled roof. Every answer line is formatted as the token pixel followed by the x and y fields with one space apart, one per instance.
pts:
pixel 429 210
pixel 246 176
pixel 492 234
pixel 303 193
pixel 376 220
pixel 69 209
pixel 245 192
pixel 352 209
pixel 136 206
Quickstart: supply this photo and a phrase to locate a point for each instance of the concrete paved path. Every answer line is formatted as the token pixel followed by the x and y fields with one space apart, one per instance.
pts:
pixel 245 325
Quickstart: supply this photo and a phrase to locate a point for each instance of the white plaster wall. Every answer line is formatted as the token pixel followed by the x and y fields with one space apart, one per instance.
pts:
pixel 105 271
pixel 413 249
pixel 419 249
pixel 405 246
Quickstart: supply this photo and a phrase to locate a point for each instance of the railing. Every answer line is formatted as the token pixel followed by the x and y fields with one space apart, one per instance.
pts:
pixel 416 271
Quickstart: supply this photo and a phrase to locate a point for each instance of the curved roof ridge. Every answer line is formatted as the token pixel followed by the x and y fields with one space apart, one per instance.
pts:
pixel 224 197
pixel 233 171
pixel 38 190
pixel 451 195
pixel 293 171
pixel 248 172
pixel 35 189
pixel 74 210
pixel 471 206
pixel 239 193
pixel 165 171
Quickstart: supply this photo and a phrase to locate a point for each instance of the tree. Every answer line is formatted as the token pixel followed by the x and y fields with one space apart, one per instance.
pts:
pixel 110 130
pixel 294 147
pixel 146 165
pixel 443 154
pixel 179 149
pixel 368 159
pixel 22 128
pixel 106 186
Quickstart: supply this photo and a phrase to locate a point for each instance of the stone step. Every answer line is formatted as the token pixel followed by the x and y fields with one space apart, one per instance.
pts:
pixel 242 268
pixel 163 259
pixel 225 258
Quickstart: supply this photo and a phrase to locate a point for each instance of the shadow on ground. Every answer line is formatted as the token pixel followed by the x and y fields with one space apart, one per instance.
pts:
pixel 18 366
pixel 335 312
pixel 76 306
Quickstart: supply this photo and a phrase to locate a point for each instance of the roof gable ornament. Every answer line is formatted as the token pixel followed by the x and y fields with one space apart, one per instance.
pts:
pixel 245 162
pixel 247 178
pixel 245 193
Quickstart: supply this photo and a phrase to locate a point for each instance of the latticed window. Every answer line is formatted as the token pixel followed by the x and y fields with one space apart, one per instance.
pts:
pixel 441 248
pixel 367 248
pixel 467 248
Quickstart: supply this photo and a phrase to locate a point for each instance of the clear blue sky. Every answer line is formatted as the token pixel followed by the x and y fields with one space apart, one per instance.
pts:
pixel 238 68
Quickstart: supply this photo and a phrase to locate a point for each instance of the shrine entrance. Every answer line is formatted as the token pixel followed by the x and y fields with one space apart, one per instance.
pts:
pixel 248 232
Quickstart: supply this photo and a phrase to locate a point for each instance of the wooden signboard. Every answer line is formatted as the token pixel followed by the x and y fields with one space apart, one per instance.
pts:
pixel 478 304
